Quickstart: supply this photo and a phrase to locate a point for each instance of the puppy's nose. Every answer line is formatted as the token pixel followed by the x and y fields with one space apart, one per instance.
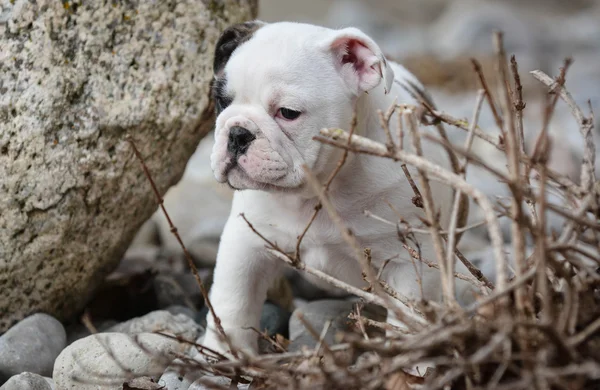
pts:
pixel 239 140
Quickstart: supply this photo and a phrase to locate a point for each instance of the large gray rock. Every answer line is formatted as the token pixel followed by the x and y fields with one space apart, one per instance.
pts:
pixel 75 78
pixel 31 345
pixel 105 361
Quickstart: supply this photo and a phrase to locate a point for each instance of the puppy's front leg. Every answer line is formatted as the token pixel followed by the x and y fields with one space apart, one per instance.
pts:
pixel 243 274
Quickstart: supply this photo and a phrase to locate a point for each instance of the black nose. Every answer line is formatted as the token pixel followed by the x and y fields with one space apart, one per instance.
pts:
pixel 239 140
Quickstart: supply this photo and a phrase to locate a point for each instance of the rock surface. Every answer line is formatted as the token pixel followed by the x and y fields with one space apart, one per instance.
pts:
pixel 176 378
pixel 161 320
pixel 186 311
pixel 75 78
pixel 50 381
pixel 98 361
pixel 26 381
pixel 181 289
pixel 274 320
pixel 31 345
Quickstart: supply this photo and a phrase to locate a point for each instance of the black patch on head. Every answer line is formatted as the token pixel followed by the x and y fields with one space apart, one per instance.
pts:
pixel 231 38
pixel 219 93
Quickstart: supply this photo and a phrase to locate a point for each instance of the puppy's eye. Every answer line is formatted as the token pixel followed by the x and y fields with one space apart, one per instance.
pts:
pixel 289 114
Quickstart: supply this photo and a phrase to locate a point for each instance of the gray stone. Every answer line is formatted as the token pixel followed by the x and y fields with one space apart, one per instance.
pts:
pixel 139 259
pixel 186 311
pixel 318 313
pixel 161 320
pixel 31 345
pixel 75 80
pixel 274 320
pixel 300 303
pixel 210 382
pixel 102 361
pixel 50 381
pixel 176 377
pixel 181 289
pixel 26 381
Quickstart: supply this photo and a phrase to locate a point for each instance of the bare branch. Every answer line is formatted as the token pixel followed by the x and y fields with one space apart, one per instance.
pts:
pixel 187 254
pixel 431 213
pixel 452 235
pixel 586 125
pixel 513 151
pixel 364 145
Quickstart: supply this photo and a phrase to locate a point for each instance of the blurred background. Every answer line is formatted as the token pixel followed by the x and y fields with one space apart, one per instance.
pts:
pixel 541 33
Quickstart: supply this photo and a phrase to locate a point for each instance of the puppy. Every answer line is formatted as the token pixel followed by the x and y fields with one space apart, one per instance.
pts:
pixel 276 85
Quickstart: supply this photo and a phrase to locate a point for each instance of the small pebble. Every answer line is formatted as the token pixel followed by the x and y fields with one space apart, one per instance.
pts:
pixel 91 363
pixel 274 320
pixel 175 379
pixel 26 381
pixel 180 289
pixel 31 345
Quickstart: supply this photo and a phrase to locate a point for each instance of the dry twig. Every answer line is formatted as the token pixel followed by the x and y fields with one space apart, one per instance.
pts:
pixel 187 254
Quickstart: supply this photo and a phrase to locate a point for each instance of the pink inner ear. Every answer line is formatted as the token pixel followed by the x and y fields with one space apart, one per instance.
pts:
pixel 358 55
pixel 349 56
pixel 363 61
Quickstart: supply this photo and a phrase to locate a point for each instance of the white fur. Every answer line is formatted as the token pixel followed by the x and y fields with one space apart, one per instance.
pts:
pixel 286 65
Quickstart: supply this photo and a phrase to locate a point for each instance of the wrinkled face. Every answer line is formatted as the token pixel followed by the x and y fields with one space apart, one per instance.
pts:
pixel 275 87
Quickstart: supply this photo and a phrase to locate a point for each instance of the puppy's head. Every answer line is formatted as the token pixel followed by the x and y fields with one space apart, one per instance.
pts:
pixel 275 86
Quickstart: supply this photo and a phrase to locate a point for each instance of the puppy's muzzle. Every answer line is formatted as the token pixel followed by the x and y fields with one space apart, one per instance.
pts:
pixel 239 141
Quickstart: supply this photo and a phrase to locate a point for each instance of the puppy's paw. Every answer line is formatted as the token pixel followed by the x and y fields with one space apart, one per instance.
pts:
pixel 213 345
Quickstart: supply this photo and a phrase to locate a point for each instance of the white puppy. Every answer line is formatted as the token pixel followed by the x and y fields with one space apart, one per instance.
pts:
pixel 276 85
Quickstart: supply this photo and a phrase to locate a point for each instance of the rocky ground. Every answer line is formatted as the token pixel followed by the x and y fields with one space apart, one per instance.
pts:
pixel 152 288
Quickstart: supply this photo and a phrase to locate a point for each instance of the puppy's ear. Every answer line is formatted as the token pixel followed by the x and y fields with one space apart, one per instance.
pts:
pixel 230 39
pixel 359 60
